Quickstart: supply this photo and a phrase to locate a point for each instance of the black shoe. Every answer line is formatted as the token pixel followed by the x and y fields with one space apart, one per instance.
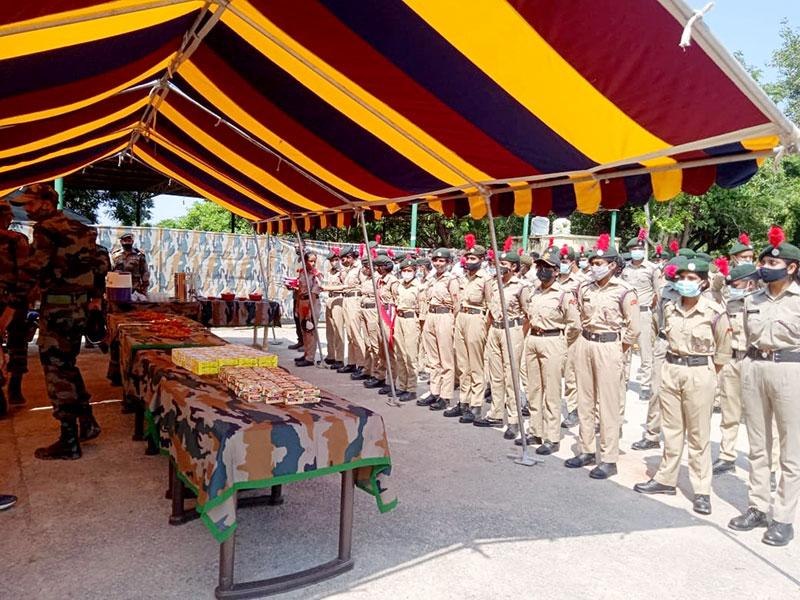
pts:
pixel 427 400
pixel 374 383
pixel 88 428
pixel 548 448
pixel 487 422
pixel 330 361
pixel 440 404
pixel 603 471
pixel 127 407
pixel 702 504
pixel 385 390
pixel 7 501
pixel 749 520
pixel 358 375
pixel 303 363
pixel 526 412
pixel 469 415
pixel 15 397
pixel 457 410
pixel 511 433
pixel 532 440
pixel 406 396
pixel 570 421
pixel 645 444
pixel 115 380
pixel 299 358
pixel 346 369
pixel 296 346
pixel 65 448
pixel 335 366
pixel 778 534
pixel 582 460
pixel 722 466
pixel 3 404
pixel 653 487
pixel 716 410
pixel 645 395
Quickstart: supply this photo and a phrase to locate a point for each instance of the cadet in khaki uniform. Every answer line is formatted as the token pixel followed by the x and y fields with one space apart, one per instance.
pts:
pixel 610 326
pixel 441 295
pixel 644 277
pixel 406 330
pixel 470 333
pixel 770 380
pixel 334 313
pixel 308 308
pixel 497 354
pixel 368 324
pixel 351 301
pixel 386 283
pixel 742 281
pixel 699 337
pixel 552 321
pixel 569 278
pixel 423 269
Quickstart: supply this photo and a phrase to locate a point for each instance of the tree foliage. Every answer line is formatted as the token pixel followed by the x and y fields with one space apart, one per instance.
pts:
pixel 207 216
pixel 122 206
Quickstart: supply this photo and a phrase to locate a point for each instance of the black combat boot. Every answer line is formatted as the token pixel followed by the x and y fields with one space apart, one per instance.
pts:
pixel 470 414
pixel 457 410
pixel 15 396
pixel 3 405
pixel 88 427
pixel 66 447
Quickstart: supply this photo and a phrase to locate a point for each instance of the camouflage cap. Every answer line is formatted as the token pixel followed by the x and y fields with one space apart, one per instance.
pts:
pixel 442 253
pixel 742 271
pixel 37 190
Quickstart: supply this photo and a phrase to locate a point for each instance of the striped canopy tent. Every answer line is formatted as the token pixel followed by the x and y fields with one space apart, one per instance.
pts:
pixel 295 114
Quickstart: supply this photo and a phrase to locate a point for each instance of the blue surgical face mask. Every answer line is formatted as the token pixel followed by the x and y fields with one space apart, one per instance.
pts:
pixel 637 254
pixel 688 289
pixel 582 264
pixel 564 268
pixel 599 271
pixel 737 293
pixel 769 275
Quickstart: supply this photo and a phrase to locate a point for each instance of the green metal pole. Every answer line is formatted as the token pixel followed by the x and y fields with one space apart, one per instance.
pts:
pixel 59 185
pixel 414 209
pixel 613 227
pixel 526 226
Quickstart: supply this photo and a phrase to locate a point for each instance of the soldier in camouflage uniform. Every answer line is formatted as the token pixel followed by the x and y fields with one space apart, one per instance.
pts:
pixel 14 249
pixel 133 261
pixel 64 264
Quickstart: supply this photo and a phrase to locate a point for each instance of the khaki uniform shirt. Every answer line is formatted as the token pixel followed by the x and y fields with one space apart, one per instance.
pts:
pixel 367 290
pixel 334 279
pixel 703 330
pixel 666 296
pixel 735 310
pixel 611 308
pixel 573 280
pixel 644 279
pixel 513 291
pixel 351 280
pixel 475 289
pixel 553 308
pixel 773 323
pixel 385 285
pixel 314 277
pixel 406 295
pixel 442 291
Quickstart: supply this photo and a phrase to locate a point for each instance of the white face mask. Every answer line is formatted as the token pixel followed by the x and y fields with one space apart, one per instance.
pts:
pixel 407 276
pixel 582 264
pixel 637 254
pixel 599 271
pixel 737 293
pixel 564 268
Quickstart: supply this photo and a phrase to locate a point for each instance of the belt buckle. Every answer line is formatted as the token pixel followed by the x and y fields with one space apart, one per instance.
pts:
pixel 776 357
pixel 764 354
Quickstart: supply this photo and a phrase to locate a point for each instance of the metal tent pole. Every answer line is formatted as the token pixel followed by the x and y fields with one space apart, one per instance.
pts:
pixel 526 228
pixel 414 215
pixel 526 458
pixel 264 284
pixel 392 401
pixel 314 315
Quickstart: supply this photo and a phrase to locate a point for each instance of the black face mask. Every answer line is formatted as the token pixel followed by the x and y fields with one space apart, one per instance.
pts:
pixel 472 266
pixel 127 246
pixel 545 273
pixel 770 275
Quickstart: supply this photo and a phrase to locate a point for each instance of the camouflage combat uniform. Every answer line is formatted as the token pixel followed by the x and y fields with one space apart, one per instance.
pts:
pixel 135 263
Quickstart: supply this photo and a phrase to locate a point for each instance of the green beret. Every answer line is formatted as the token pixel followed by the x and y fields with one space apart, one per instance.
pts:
pixel 571 254
pixel 609 253
pixel 525 259
pixel 633 242
pixel 382 260
pixel 741 245
pixel 686 252
pixel 423 262
pixel 442 253
pixel 511 256
pixel 743 271
pixel 783 250
pixel 703 256
pixel 551 257
pixel 348 251
pixel 476 250
pixel 692 264
pixel 408 262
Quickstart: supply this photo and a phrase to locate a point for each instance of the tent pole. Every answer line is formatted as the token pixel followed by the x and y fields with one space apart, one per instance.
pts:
pixel 264 284
pixel 526 227
pixel 59 187
pixel 614 227
pixel 392 401
pixel 314 316
pixel 414 215
pixel 526 459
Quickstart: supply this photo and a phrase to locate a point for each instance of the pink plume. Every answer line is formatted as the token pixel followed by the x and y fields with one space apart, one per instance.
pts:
pixel 775 236
pixel 507 244
pixel 674 246
pixel 723 266
pixel 642 234
pixel 374 253
pixel 469 241
pixel 360 250
pixel 336 250
pixel 390 253
pixel 416 251
pixel 670 271
pixel 744 239
pixel 520 251
pixel 550 242
pixel 564 250
pixel 581 248
pixel 378 238
pixel 603 241
pixel 490 254
pixel 463 260
pixel 659 249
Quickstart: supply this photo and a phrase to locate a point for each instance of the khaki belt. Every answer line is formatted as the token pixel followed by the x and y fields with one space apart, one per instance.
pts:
pixel 774 355
pixel 439 310
pixel 545 332
pixel 687 361
pixel 65 298
pixel 511 323
pixel 607 336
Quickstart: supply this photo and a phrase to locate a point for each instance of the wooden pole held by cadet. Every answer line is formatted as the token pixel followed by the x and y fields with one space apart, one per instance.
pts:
pixel 392 401
pixel 314 315
pixel 526 458
pixel 265 285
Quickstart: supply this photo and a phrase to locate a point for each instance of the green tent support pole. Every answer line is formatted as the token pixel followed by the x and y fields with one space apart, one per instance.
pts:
pixel 413 241
pixel 613 227
pixel 59 185
pixel 526 227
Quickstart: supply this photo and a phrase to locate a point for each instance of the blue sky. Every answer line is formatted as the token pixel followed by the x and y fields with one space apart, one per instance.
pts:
pixel 751 26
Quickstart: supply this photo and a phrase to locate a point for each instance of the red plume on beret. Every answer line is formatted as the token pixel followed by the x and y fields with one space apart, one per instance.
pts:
pixel 550 242
pixel 674 246
pixel 642 234
pixel 775 236
pixel 507 244
pixel 744 239
pixel 360 250
pixel 659 249
pixel 564 250
pixel 490 254
pixel 390 253
pixel 603 241
pixel 377 238
pixel 581 247
pixel 469 241
pixel 520 251
pixel 670 271
pixel 416 251
pixel 723 266
pixel 463 260
pixel 336 250
pixel 374 253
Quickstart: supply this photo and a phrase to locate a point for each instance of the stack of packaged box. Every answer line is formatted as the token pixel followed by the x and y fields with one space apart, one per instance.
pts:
pixel 208 360
pixel 268 385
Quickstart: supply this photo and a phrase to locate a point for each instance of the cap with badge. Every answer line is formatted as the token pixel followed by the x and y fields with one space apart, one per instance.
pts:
pixel 508 254
pixel 686 253
pixel 604 249
pixel 779 247
pixel 639 240
pixel 693 265
pixel 442 253
pixel 742 271
pixel 349 251
pixel 408 262
pixel 473 249
pixel 551 257
pixel 741 245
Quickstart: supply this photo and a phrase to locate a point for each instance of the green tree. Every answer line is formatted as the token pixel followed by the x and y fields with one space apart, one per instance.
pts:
pixel 207 216
pixel 786 90
pixel 84 202
pixel 130 208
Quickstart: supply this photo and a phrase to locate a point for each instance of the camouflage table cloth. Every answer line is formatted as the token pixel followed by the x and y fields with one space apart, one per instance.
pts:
pixel 239 313
pixel 220 445
pixel 184 309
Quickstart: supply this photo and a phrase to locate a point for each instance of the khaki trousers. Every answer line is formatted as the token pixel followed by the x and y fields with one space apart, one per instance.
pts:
pixel 646 352
pixel 687 398
pixel 731 408
pixel 470 342
pixel 372 342
pixel 570 379
pixel 355 341
pixel 405 344
pixel 438 339
pixel 771 390
pixel 500 372
pixel 422 358
pixel 598 368
pixel 334 328
pixel 652 427
pixel 310 337
pixel 545 357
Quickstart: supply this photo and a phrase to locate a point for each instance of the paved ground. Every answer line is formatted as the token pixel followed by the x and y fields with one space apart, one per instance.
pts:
pixel 470 523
